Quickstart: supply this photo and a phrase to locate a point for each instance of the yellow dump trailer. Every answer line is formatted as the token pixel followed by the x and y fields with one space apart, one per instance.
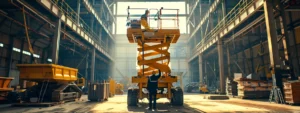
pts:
pixel 55 83
pixel 51 72
pixel 4 87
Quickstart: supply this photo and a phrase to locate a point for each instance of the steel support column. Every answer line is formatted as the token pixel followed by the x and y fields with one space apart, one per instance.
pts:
pixel 283 26
pixel 43 56
pixel 111 70
pixel 107 45
pixel 224 11
pixel 251 55
pixel 9 55
pixel 92 22
pixel 261 48
pixel 228 62
pixel 200 69
pixel 296 70
pixel 31 56
pixel 86 67
pixel 93 57
pixel 272 42
pixel 190 66
pixel 285 39
pixel 221 66
pixel 21 52
pixel 189 69
pixel 78 11
pixel 56 42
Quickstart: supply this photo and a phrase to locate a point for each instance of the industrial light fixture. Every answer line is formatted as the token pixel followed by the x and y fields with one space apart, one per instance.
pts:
pixel 49 60
pixel 17 50
pixel 1 45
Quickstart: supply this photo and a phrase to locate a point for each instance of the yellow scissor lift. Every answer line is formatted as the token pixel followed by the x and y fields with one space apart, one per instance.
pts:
pixel 153 55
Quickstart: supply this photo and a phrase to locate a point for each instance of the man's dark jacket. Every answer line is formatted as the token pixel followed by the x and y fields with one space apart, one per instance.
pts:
pixel 152 82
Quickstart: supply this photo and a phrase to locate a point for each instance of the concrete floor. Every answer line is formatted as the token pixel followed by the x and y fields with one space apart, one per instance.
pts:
pixel 193 103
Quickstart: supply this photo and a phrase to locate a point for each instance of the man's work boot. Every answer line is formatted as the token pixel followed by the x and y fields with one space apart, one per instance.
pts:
pixel 154 109
pixel 149 108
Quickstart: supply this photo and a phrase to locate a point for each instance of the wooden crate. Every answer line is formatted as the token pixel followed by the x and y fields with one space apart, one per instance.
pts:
pixel 292 92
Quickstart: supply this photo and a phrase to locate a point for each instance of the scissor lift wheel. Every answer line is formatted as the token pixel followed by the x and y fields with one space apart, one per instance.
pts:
pixel 132 97
pixel 177 98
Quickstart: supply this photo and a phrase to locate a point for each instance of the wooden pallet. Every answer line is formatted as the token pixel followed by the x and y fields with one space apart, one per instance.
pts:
pixel 250 97
pixel 292 103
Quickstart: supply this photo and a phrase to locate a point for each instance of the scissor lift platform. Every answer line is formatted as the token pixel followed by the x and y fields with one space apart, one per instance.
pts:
pixel 154 55
pixel 158 36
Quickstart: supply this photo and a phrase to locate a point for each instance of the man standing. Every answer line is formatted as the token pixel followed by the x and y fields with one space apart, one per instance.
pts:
pixel 144 21
pixel 152 89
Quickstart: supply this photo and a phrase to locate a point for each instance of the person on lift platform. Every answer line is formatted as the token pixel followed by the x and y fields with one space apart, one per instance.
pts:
pixel 144 22
pixel 152 87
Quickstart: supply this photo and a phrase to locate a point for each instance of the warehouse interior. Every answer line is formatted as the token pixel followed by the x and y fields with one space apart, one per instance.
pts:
pixel 224 55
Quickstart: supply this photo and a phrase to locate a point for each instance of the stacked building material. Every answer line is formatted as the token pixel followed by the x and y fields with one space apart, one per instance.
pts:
pixel 253 89
pixel 292 92
pixel 231 88
pixel 98 91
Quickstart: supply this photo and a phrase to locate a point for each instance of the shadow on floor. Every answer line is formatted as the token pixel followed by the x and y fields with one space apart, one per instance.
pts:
pixel 71 107
pixel 163 107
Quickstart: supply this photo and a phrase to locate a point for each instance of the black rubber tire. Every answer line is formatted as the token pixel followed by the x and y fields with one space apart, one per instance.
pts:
pixel 132 97
pixel 13 97
pixel 177 99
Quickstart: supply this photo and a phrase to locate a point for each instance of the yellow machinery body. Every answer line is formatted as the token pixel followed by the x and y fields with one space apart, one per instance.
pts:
pixel 51 72
pixel 80 82
pixel 153 54
pixel 54 83
pixel 162 40
pixel 4 87
pixel 119 89
pixel 203 89
pixel 112 88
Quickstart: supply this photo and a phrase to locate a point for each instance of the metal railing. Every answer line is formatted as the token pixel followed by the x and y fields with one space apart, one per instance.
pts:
pixel 73 16
pixel 157 17
pixel 240 8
